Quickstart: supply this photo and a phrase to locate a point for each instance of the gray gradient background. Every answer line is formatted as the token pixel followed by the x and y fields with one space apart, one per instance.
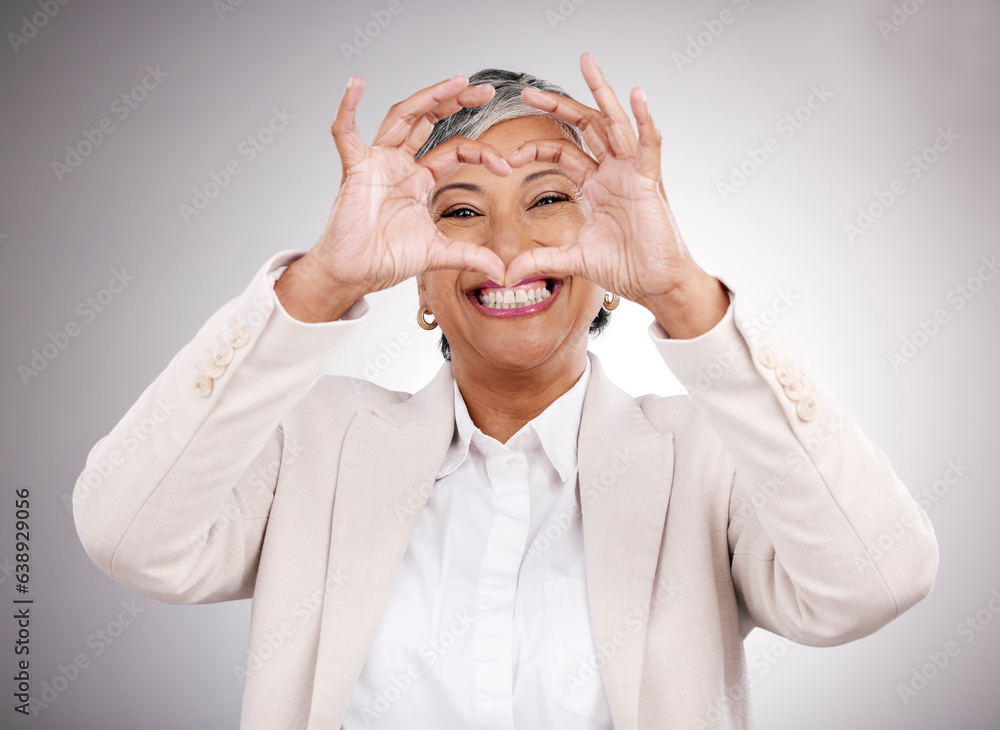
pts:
pixel 60 241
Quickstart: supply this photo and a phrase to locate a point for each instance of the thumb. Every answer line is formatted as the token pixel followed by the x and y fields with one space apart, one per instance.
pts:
pixel 447 253
pixel 547 261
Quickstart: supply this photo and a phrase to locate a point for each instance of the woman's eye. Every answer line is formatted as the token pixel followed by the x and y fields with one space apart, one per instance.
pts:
pixel 464 212
pixel 458 213
pixel 550 198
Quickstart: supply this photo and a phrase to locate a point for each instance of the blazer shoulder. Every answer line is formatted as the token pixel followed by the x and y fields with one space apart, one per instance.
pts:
pixel 673 413
pixel 694 437
pixel 340 397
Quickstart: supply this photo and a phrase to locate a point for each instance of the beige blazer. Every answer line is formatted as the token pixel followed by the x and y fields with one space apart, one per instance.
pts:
pixel 751 502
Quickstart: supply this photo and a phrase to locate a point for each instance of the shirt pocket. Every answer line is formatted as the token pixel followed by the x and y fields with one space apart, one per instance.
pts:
pixel 576 679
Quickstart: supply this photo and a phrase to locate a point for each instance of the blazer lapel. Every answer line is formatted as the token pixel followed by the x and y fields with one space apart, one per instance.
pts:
pixel 625 468
pixel 388 465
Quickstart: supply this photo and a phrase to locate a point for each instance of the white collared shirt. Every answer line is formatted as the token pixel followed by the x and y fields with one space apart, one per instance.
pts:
pixel 487 624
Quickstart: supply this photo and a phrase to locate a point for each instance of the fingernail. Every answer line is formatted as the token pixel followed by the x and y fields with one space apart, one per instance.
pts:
pixel 350 81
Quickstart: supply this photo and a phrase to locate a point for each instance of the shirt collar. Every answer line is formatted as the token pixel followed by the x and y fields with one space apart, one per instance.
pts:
pixel 556 428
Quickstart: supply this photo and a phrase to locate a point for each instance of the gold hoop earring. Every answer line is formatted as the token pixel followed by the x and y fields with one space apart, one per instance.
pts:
pixel 422 321
pixel 611 303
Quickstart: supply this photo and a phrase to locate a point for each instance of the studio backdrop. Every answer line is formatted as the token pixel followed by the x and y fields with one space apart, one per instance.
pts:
pixel 836 163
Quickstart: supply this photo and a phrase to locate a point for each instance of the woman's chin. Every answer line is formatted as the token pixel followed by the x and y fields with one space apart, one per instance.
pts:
pixel 515 353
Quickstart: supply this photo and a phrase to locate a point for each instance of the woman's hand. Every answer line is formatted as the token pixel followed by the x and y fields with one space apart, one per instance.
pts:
pixel 379 232
pixel 630 243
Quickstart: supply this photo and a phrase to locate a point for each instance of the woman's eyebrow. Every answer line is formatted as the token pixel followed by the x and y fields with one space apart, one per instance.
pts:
pixel 542 173
pixel 456 186
pixel 472 188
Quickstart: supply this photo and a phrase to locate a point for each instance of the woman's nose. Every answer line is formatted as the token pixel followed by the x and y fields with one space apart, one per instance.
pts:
pixel 507 239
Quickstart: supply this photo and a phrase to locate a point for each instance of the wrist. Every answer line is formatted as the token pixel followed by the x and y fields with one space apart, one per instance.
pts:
pixel 691 308
pixel 310 295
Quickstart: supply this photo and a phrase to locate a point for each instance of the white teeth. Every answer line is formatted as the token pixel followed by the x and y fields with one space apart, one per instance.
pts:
pixel 514 298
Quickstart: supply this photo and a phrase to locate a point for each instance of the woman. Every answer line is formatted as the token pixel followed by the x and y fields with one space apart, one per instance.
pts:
pixel 520 543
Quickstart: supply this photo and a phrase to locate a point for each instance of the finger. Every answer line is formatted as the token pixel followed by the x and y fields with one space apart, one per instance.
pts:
pixel 587 120
pixel 650 138
pixel 546 261
pixel 447 253
pixel 576 163
pixel 419 133
pixel 450 155
pixel 402 116
pixel 345 132
pixel 620 131
pixel 470 96
pixel 421 130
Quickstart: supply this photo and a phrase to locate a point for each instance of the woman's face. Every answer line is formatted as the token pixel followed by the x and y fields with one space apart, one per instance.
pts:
pixel 536 205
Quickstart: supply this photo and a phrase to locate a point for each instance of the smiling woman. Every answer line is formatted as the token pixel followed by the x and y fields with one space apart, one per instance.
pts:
pixel 528 208
pixel 520 543
pixel 485 122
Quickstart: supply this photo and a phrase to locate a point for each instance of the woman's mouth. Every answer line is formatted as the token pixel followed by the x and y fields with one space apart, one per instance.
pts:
pixel 526 297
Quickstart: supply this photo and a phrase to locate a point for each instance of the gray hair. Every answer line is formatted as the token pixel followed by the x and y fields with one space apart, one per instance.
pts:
pixel 506 104
pixel 472 122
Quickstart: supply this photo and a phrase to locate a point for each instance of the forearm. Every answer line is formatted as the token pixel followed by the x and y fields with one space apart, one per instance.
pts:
pixel 159 492
pixel 812 496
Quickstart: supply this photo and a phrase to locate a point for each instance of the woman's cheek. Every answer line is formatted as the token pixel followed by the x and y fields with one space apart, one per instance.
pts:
pixel 470 233
pixel 557 230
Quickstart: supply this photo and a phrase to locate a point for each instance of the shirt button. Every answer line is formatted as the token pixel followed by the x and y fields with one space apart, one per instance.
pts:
pixel 513 465
pixel 520 441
